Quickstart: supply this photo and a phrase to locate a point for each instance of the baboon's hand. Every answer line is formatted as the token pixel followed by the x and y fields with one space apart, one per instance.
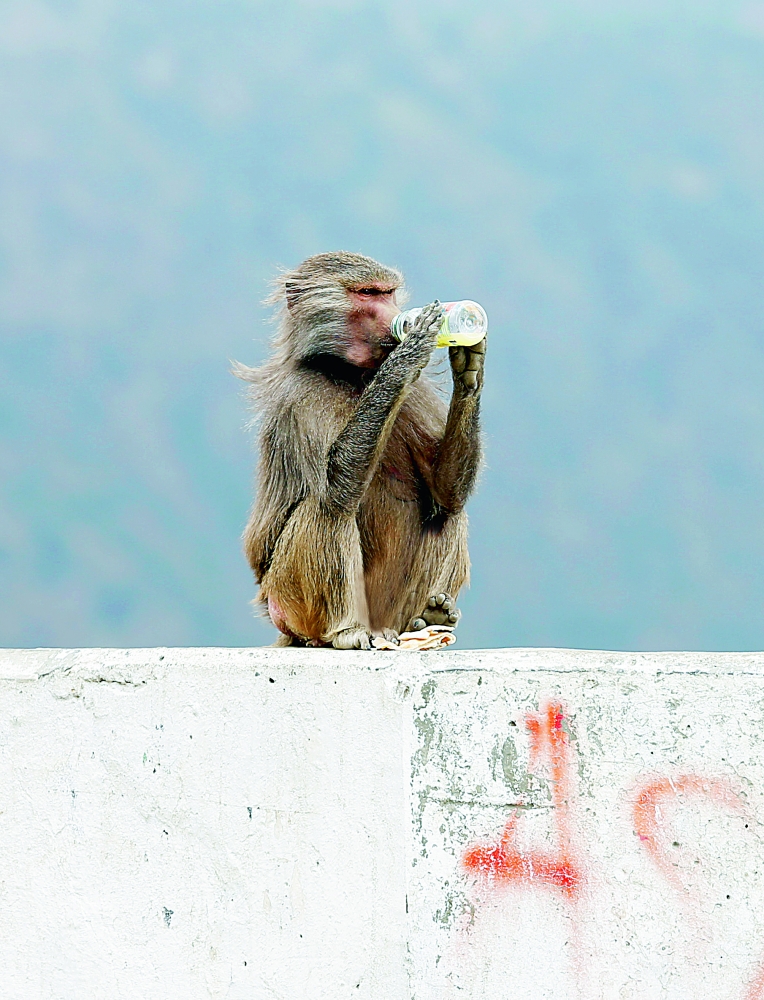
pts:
pixel 467 367
pixel 415 351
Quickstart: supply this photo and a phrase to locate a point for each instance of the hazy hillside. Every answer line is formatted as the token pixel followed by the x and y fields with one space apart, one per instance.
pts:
pixel 592 172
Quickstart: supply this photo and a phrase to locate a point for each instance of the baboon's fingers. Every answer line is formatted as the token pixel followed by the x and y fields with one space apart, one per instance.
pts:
pixel 416 349
pixel 458 357
pixel 431 317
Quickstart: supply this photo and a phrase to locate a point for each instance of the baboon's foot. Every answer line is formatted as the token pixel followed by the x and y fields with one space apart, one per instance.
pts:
pixel 440 610
pixel 285 640
pixel 355 637
pixel 391 635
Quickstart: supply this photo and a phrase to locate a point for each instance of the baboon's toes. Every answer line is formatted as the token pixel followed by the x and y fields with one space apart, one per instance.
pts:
pixel 352 638
pixel 441 610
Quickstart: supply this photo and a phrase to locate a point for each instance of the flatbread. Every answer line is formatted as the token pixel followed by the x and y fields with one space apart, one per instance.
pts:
pixel 431 637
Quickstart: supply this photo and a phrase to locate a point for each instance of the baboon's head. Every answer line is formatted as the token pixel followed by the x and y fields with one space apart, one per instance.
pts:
pixel 339 304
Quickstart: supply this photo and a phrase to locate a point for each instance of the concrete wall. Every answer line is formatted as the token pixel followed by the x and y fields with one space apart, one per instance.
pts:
pixel 284 824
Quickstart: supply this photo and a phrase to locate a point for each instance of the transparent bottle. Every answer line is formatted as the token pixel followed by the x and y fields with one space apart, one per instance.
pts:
pixel 464 324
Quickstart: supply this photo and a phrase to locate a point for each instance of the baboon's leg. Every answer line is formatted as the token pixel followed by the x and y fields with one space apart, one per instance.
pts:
pixel 318 589
pixel 441 566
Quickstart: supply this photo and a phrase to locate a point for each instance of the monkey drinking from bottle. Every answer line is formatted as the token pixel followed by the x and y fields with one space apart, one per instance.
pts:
pixel 358 527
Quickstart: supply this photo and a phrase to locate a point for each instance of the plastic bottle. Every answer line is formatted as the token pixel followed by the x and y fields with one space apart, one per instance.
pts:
pixel 464 324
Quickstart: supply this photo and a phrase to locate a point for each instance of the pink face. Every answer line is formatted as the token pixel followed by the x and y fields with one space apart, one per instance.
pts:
pixel 372 308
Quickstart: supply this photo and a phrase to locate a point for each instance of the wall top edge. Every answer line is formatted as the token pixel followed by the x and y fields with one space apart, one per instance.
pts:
pixel 136 665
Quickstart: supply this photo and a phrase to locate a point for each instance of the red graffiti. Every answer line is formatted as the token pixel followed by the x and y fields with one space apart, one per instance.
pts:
pixel 652 805
pixel 656 797
pixel 503 862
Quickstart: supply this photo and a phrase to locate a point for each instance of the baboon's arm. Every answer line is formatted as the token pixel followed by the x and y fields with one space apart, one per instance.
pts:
pixel 458 458
pixel 353 457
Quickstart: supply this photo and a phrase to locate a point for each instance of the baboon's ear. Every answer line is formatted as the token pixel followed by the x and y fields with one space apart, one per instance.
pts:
pixel 292 294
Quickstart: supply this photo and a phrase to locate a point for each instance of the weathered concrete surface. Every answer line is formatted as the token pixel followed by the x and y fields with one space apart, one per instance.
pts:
pixel 284 824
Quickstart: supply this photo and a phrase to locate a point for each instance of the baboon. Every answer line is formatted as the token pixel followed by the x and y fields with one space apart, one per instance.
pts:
pixel 358 526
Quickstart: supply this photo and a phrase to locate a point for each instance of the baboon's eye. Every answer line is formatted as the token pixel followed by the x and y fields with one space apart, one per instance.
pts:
pixel 375 291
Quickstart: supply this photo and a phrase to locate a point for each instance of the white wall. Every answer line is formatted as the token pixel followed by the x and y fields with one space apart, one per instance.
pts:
pixel 285 824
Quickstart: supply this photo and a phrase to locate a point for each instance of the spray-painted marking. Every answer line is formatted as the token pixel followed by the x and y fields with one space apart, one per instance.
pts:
pixel 551 750
pixel 502 861
pixel 655 796
pixel 651 805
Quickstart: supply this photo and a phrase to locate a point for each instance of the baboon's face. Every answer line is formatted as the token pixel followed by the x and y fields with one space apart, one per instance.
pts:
pixel 372 308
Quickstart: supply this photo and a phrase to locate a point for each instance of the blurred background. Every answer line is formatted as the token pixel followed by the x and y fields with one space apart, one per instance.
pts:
pixel 592 171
